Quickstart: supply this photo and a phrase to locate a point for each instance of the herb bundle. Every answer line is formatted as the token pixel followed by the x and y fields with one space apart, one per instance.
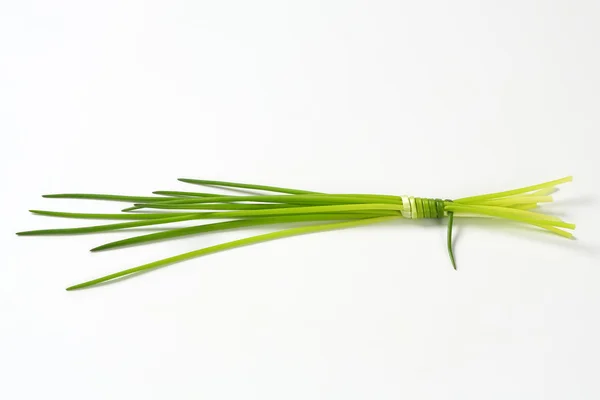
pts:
pixel 285 206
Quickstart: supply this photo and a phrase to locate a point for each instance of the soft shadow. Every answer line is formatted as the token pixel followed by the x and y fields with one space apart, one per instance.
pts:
pixel 589 200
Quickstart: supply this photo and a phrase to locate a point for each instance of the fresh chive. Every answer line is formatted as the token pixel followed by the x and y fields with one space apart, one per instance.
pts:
pixel 513 214
pixel 105 216
pixel 178 193
pixel 110 197
pixel 245 186
pixel 220 226
pixel 529 206
pixel 291 206
pixel 108 227
pixel 287 199
pixel 513 192
pixel 511 201
pixel 213 206
pixel 449 239
pixel 231 245
pixel 311 209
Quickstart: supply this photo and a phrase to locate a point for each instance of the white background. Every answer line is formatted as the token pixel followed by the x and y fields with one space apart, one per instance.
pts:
pixel 444 98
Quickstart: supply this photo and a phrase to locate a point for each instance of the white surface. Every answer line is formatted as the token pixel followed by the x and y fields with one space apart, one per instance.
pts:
pixel 437 98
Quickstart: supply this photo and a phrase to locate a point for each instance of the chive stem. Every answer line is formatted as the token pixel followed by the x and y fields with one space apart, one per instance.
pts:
pixel 231 245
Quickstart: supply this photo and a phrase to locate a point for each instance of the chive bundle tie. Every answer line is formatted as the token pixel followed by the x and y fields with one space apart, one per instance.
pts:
pixel 286 206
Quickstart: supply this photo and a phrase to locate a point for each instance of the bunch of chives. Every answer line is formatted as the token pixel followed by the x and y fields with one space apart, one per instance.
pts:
pixel 324 210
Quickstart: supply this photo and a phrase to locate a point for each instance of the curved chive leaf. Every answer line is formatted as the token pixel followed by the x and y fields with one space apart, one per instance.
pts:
pixel 245 186
pixel 231 245
pixel 110 197
pixel 449 238
pixel 220 226
pixel 108 227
